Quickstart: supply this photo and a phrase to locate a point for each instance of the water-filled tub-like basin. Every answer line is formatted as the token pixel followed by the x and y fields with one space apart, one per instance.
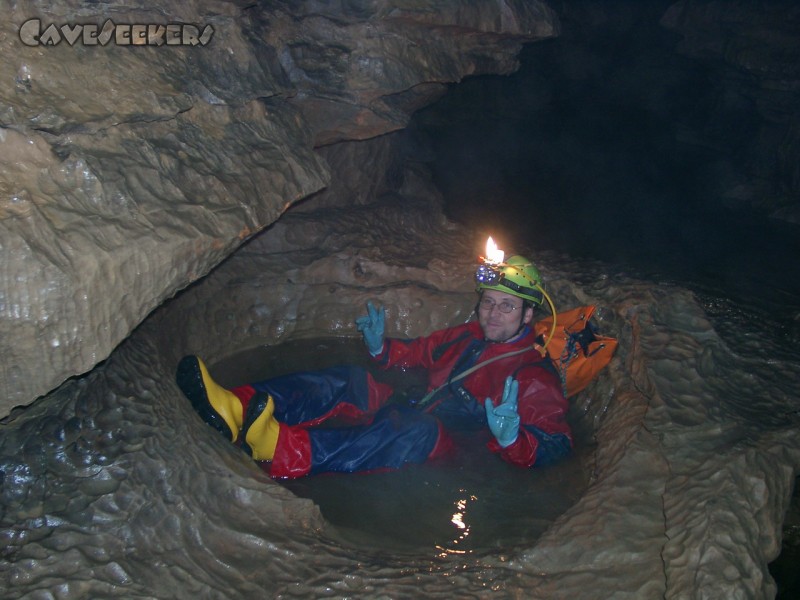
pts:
pixel 468 501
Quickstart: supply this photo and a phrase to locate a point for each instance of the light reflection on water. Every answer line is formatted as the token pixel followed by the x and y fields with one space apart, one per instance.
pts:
pixel 469 501
pixel 459 521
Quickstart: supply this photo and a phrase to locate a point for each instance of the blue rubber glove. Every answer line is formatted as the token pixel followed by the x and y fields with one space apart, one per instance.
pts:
pixel 504 418
pixel 371 327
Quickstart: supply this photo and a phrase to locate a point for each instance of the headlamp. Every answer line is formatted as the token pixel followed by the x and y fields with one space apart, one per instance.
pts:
pixel 488 275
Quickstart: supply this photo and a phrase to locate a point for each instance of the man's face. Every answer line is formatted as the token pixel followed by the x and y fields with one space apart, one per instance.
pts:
pixel 499 326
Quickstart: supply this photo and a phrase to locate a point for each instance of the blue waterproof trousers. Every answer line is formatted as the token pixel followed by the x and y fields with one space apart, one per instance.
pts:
pixel 338 419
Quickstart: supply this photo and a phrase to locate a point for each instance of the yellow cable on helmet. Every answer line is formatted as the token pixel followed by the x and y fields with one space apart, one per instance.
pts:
pixel 550 304
pixel 552 312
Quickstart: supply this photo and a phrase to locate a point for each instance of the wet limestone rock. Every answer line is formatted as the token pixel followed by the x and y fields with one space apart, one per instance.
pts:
pixel 114 487
pixel 129 172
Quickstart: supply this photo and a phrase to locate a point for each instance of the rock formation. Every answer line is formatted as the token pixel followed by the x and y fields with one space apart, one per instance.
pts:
pixel 131 172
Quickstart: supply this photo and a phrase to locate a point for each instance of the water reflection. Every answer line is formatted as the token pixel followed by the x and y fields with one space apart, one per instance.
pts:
pixel 461 525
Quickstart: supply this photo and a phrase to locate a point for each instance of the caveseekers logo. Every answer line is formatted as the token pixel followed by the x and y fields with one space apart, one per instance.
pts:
pixel 174 34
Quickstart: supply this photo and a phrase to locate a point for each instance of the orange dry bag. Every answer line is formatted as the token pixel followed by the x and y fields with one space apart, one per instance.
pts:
pixel 576 349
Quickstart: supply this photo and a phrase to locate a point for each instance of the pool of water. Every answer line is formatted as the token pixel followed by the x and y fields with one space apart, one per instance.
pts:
pixel 467 502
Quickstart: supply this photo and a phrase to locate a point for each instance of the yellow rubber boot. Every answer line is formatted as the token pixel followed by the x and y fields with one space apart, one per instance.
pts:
pixel 261 429
pixel 217 406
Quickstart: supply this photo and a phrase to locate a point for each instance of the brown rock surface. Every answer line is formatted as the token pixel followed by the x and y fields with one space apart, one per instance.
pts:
pixel 112 487
pixel 130 172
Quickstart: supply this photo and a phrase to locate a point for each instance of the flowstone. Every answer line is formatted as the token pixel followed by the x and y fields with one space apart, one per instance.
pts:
pixel 120 490
pixel 128 175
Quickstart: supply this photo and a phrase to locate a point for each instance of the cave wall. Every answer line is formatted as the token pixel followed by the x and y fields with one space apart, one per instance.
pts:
pixel 113 487
pixel 714 85
pixel 312 272
pixel 129 172
pixel 672 122
pixel 752 107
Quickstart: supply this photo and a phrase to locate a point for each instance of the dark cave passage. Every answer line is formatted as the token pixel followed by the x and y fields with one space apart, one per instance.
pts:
pixel 611 146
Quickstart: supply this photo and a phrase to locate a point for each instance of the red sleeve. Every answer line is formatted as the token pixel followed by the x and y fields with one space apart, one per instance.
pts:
pixel 405 353
pixel 418 352
pixel 540 404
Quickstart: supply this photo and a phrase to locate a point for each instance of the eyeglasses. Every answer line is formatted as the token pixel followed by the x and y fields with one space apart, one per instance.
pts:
pixel 488 304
